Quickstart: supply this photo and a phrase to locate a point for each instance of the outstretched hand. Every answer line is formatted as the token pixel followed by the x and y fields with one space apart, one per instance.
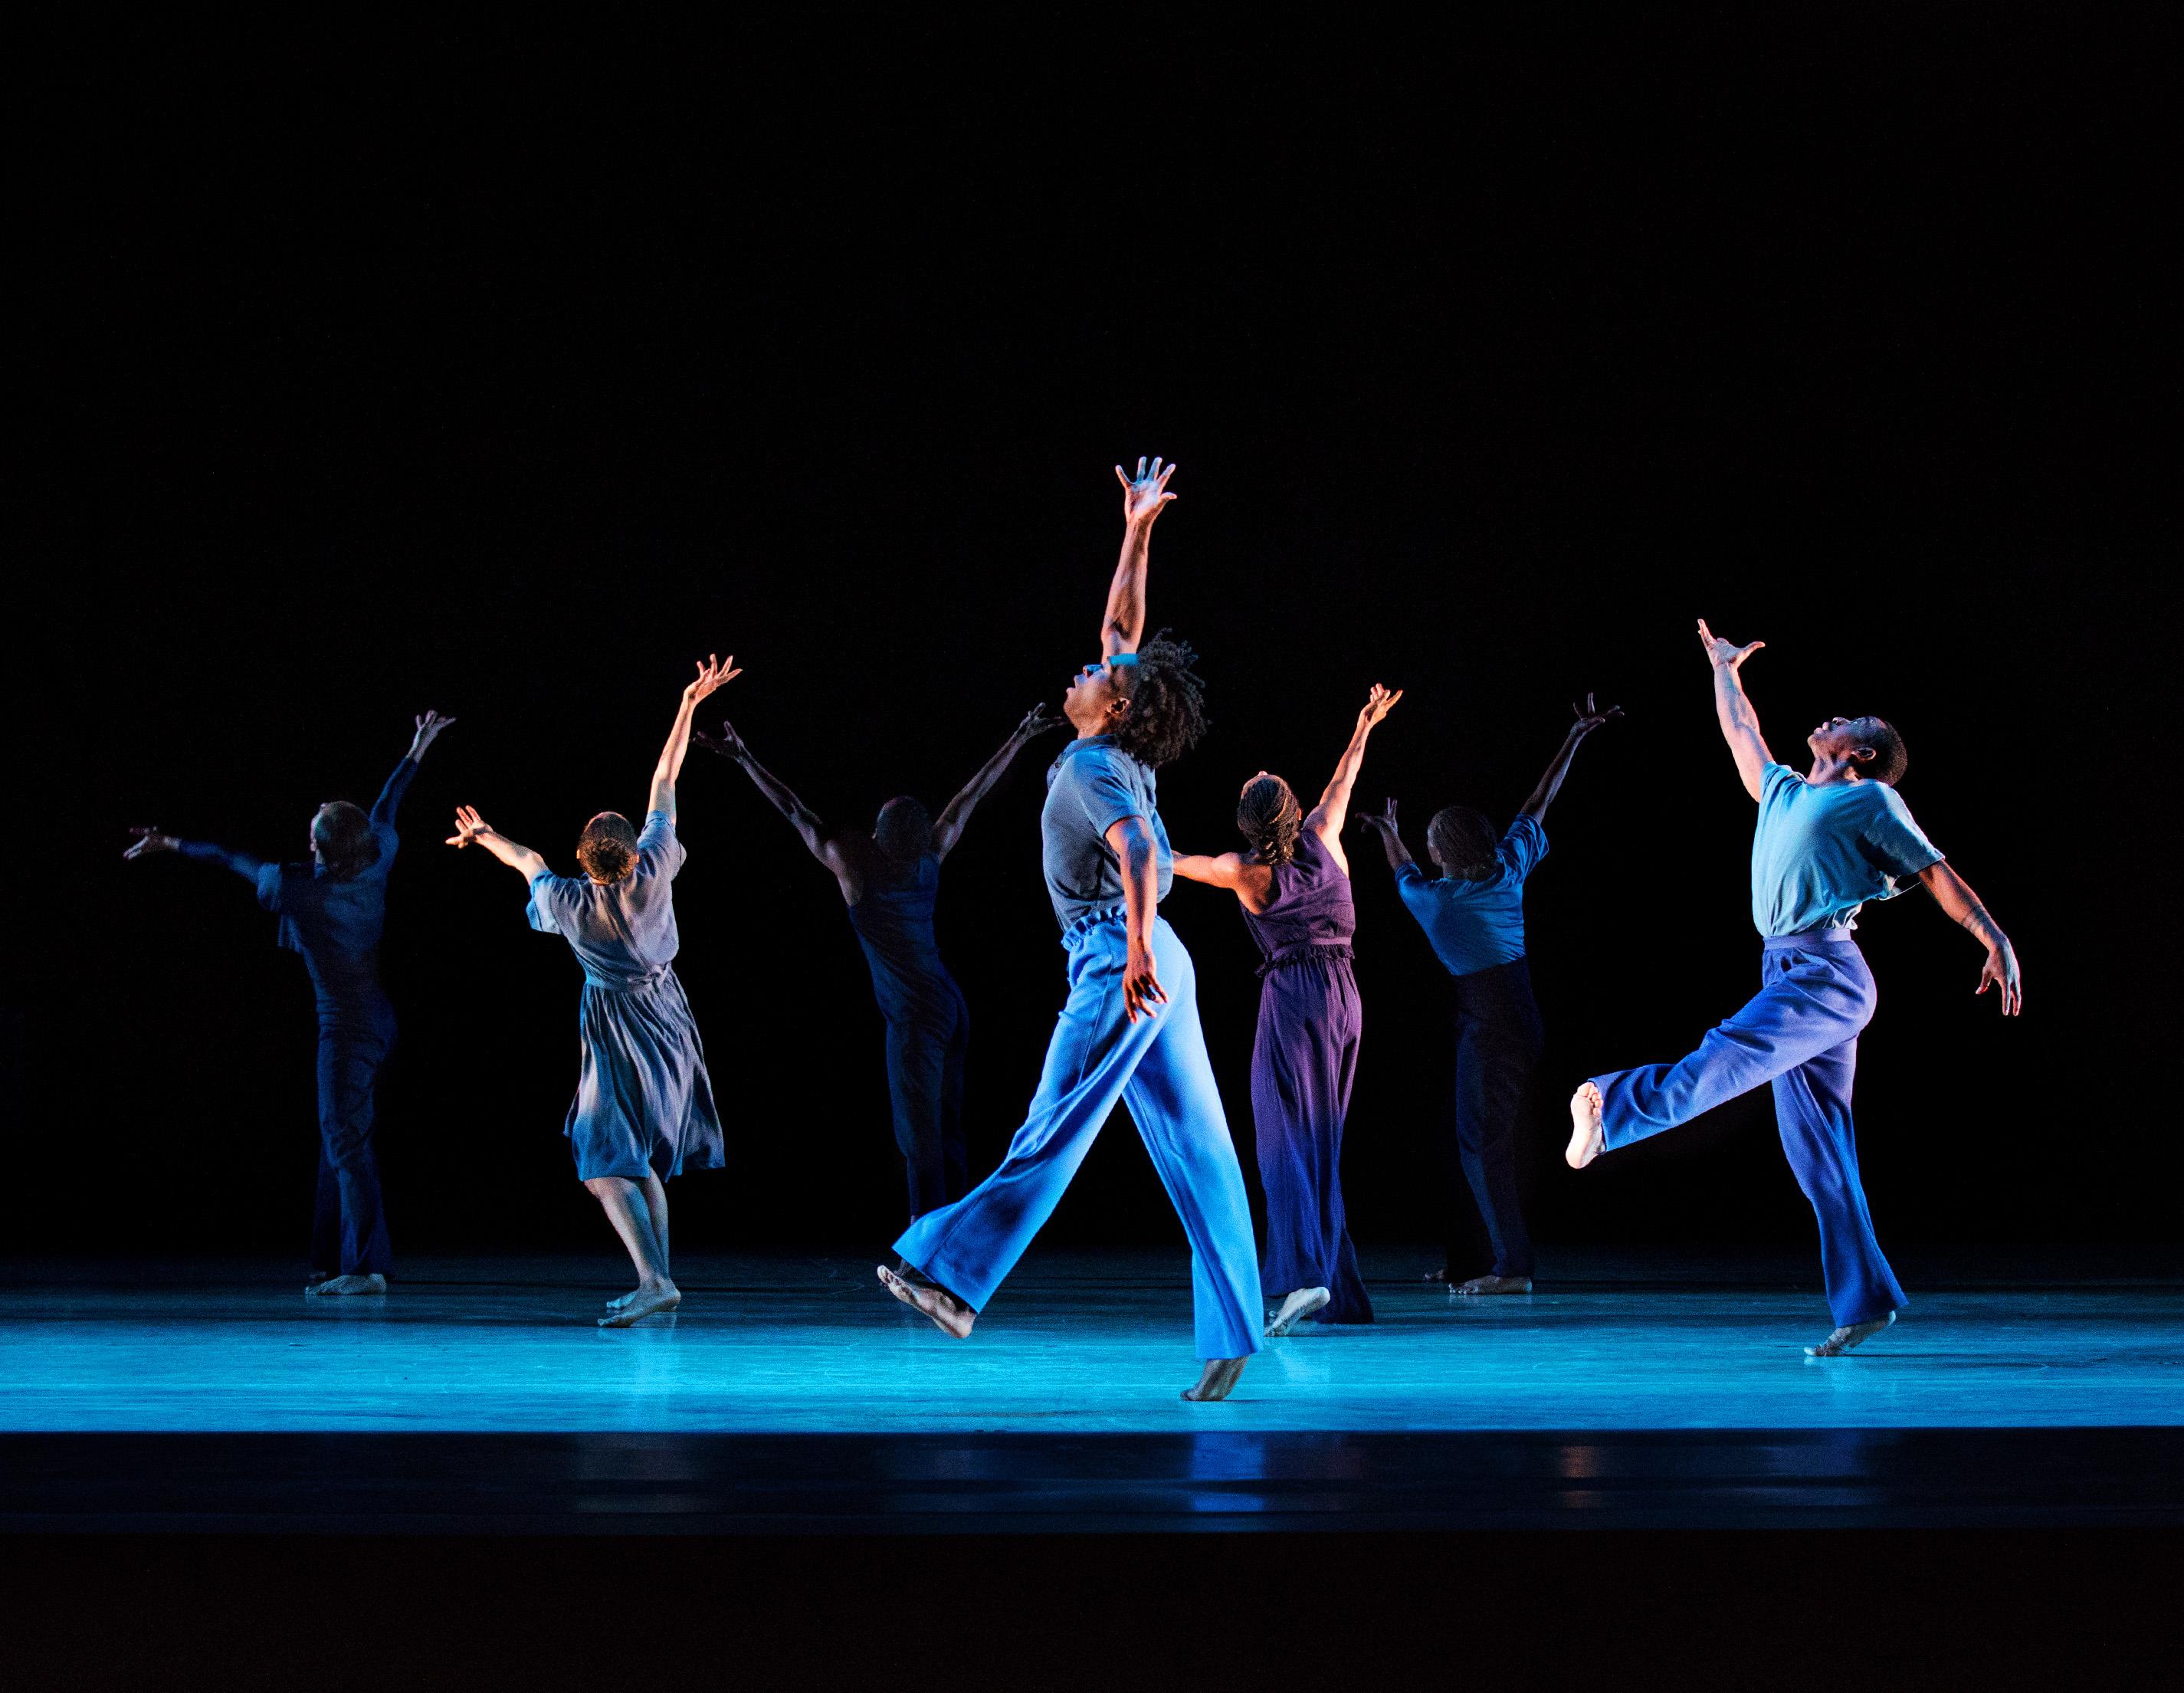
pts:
pixel 468 826
pixel 148 841
pixel 1378 819
pixel 728 743
pixel 1719 652
pixel 2000 971
pixel 428 728
pixel 1145 494
pixel 1036 722
pixel 1378 704
pixel 713 672
pixel 1590 716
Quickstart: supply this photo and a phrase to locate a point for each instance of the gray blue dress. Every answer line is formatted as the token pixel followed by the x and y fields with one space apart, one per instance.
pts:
pixel 928 1026
pixel 644 1103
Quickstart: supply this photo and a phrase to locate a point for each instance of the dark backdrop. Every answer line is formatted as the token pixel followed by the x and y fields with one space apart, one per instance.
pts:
pixel 507 378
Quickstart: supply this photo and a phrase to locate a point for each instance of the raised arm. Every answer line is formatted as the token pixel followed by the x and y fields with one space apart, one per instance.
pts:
pixel 149 842
pixel 1143 497
pixel 1215 869
pixel 1326 819
pixel 472 830
pixel 390 796
pixel 1740 723
pixel 712 673
pixel 1954 895
pixel 948 828
pixel 801 817
pixel 1383 824
pixel 1589 718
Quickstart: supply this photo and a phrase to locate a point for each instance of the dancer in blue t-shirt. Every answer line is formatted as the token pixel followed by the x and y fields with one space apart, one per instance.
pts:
pixel 1473 916
pixel 644 1111
pixel 1129 1031
pixel 1827 843
pixel 890 881
pixel 333 912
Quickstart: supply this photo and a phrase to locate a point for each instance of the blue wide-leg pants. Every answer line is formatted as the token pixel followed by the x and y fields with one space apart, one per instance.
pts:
pixel 1800 1033
pixel 349 1224
pixel 1157 1066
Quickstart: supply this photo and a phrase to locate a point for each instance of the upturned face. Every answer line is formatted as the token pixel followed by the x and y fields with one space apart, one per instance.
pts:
pixel 1840 739
pixel 1096 698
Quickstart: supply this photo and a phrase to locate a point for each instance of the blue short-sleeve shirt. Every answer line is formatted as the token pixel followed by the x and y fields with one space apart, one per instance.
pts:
pixel 1093 786
pixel 1475 926
pixel 623 932
pixel 1820 853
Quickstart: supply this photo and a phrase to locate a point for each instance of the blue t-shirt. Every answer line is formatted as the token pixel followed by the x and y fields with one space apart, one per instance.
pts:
pixel 623 932
pixel 1475 926
pixel 1093 786
pixel 1820 853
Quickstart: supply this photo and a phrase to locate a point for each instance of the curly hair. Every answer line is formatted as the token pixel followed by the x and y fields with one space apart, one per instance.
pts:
pixel 1462 842
pixel 1268 815
pixel 607 849
pixel 1890 758
pixel 343 836
pixel 1167 703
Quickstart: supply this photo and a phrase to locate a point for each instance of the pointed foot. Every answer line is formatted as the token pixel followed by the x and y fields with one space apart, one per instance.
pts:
pixel 947 1313
pixel 1588 1140
pixel 1302 1303
pixel 1215 1381
pixel 1843 1339
pixel 645 1301
pixel 374 1282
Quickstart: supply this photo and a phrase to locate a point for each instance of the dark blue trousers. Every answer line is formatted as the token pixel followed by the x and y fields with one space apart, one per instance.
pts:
pixel 1799 1032
pixel 349 1230
pixel 1498 1048
pixel 925 1088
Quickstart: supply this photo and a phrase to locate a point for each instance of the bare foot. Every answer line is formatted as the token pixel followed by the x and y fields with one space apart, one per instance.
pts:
pixel 1219 1376
pixel 1487 1285
pixel 648 1299
pixel 1844 1339
pixel 622 1304
pixel 949 1314
pixel 335 1284
pixel 313 1277
pixel 1587 1139
pixel 1300 1305
pixel 1441 1275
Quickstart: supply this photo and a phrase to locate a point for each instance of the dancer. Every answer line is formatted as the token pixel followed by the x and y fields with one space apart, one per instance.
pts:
pixel 643 1110
pixel 1474 916
pixel 1827 843
pixel 890 878
pixel 1129 1030
pixel 1293 887
pixel 333 912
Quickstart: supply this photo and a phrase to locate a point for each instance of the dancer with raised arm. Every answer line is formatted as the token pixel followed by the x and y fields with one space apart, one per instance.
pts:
pixel 1129 1031
pixel 891 879
pixel 1293 887
pixel 1474 917
pixel 1827 843
pixel 644 1111
pixel 333 912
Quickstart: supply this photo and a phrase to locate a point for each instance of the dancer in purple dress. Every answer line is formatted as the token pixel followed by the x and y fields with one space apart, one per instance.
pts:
pixel 643 1110
pixel 1294 887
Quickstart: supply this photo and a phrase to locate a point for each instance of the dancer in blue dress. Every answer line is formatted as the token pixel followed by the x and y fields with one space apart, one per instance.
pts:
pixel 333 912
pixel 890 880
pixel 1293 887
pixel 1827 843
pixel 1473 916
pixel 643 1110
pixel 1129 1031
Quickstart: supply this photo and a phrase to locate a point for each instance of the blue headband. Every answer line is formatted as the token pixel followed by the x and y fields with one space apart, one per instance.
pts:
pixel 1122 658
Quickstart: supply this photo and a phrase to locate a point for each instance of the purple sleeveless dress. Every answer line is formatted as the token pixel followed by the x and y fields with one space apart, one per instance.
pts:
pixel 1302 1065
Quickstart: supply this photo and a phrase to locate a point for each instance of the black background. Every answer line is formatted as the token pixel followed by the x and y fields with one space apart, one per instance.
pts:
pixel 506 375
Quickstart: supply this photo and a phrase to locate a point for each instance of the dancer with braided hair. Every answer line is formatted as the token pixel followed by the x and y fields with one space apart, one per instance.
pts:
pixel 1293 887
pixel 644 1111
pixel 1129 1031
pixel 332 912
pixel 1474 916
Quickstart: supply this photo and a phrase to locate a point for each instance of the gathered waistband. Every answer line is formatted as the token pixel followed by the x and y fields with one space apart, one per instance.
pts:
pixel 651 978
pixel 1073 932
pixel 1327 951
pixel 1812 939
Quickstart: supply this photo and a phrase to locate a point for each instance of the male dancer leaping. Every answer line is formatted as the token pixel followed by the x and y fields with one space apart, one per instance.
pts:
pixel 1827 843
pixel 1129 1030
